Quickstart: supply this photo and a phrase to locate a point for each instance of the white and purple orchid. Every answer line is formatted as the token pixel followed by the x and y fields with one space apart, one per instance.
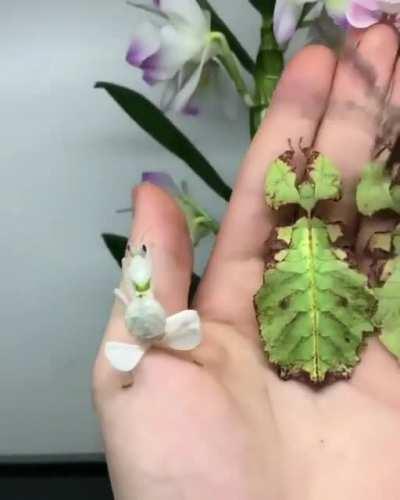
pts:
pixel 200 223
pixel 177 50
pixel 345 13
pixel 365 13
pixel 288 13
pixel 174 52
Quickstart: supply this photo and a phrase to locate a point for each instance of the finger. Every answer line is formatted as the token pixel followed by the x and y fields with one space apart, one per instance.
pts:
pixel 379 371
pixel 380 222
pixel 348 131
pixel 161 226
pixel 236 267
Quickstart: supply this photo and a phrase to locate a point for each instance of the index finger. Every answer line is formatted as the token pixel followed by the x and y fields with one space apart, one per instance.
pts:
pixel 236 266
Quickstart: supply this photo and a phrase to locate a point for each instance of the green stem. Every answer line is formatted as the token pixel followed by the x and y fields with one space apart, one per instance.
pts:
pixel 230 63
pixel 269 67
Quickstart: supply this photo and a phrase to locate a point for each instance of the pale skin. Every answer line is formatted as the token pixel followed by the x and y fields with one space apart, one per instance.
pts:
pixel 220 424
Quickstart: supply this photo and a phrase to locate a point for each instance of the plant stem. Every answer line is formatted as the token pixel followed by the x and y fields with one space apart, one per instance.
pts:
pixel 269 67
pixel 230 63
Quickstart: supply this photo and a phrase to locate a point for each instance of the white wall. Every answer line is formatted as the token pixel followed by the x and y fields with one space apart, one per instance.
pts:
pixel 69 157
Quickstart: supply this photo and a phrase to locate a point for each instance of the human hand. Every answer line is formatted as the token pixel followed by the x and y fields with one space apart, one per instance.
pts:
pixel 220 424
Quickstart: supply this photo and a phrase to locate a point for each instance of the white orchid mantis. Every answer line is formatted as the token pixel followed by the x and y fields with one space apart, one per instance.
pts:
pixel 146 319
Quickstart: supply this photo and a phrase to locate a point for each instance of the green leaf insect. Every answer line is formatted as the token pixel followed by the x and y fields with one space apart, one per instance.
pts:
pixel 378 190
pixel 387 317
pixel 313 309
pixel 321 182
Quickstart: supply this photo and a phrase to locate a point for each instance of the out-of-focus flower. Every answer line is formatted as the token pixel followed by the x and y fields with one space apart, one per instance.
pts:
pixel 355 13
pixel 365 13
pixel 286 17
pixel 200 223
pixel 288 13
pixel 177 49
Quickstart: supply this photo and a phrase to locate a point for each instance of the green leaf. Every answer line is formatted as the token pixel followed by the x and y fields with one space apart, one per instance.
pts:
pixel 313 309
pixel 374 190
pixel 387 317
pixel 194 284
pixel 322 182
pixel 156 124
pixel 116 244
pixel 217 24
pixel 264 7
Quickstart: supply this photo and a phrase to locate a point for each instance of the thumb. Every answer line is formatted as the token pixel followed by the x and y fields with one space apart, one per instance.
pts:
pixel 161 226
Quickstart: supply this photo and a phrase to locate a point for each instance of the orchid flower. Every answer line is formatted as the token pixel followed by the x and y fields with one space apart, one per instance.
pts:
pixel 355 13
pixel 200 223
pixel 145 318
pixel 365 13
pixel 178 51
pixel 287 15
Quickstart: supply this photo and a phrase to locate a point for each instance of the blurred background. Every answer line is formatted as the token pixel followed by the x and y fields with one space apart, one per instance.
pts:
pixel 69 158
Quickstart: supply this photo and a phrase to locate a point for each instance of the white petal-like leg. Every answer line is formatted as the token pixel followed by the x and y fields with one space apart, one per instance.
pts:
pixel 182 331
pixel 121 296
pixel 122 356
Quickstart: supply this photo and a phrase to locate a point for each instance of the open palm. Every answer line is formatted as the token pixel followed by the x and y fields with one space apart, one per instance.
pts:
pixel 220 424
